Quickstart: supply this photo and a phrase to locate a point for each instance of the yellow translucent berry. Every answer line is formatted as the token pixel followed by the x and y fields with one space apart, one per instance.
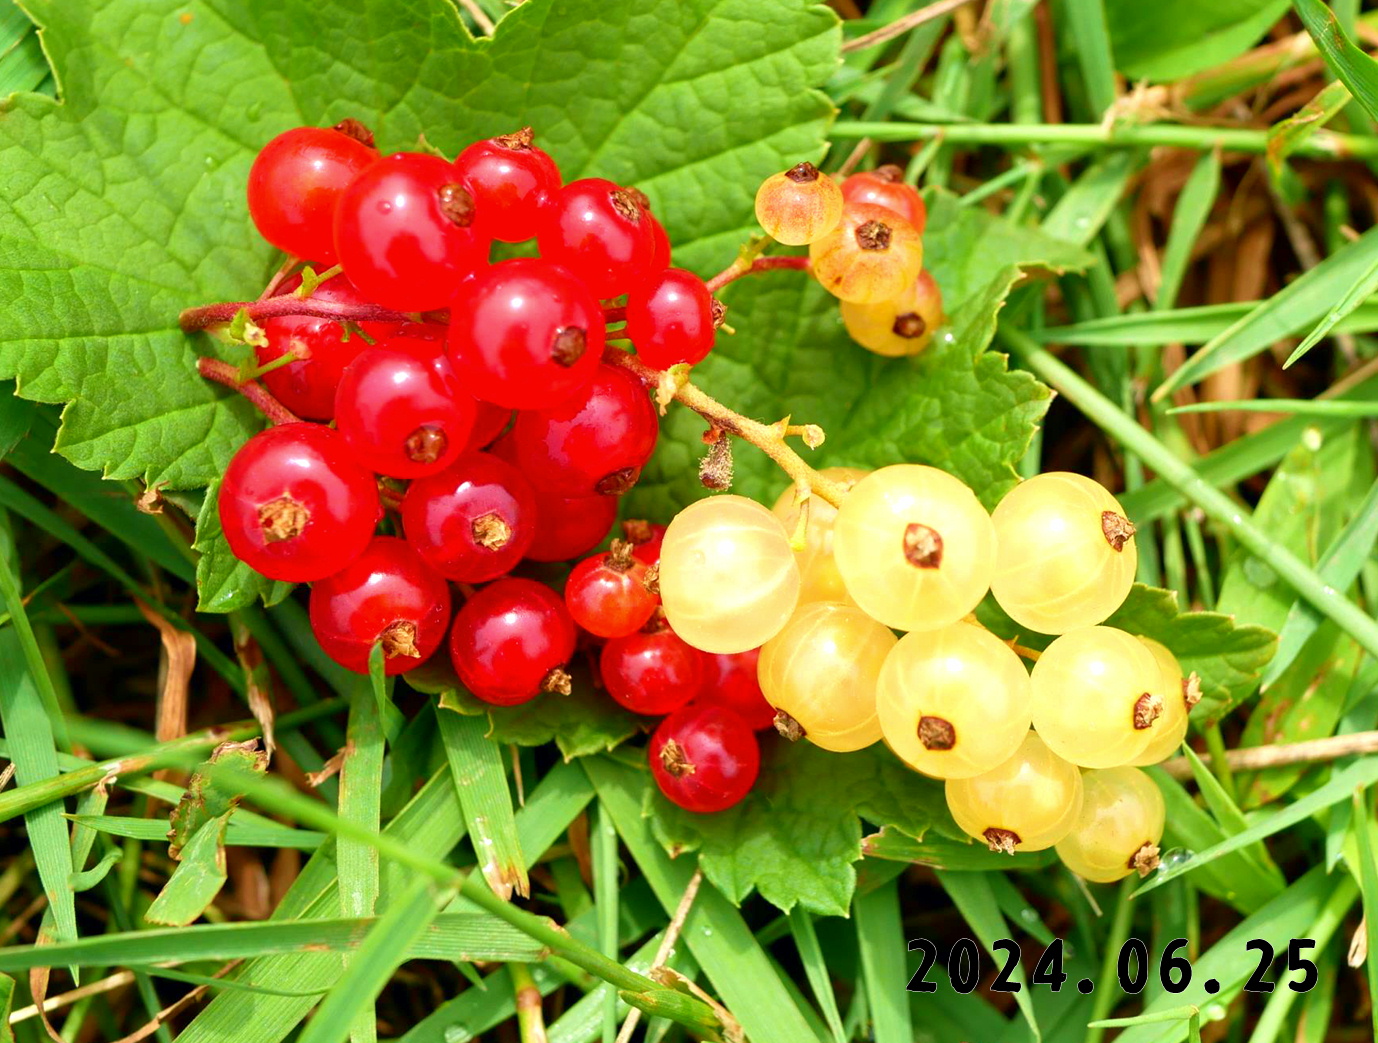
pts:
pixel 820 673
pixel 954 702
pixel 1179 695
pixel 799 206
pixel 914 547
pixel 728 579
pixel 1098 696
pixel 1119 827
pixel 903 326
pixel 817 568
pixel 1026 803
pixel 1066 557
pixel 873 255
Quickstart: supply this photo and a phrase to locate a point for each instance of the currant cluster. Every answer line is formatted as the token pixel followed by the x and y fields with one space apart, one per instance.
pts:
pixel 457 414
pixel 911 549
pixel 865 248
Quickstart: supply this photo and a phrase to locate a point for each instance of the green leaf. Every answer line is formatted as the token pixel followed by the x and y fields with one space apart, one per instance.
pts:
pixel 1285 135
pixel 1356 70
pixel 880 939
pixel 205 799
pixel 481 783
pixel 223 582
pixel 797 835
pixel 955 406
pixel 1176 38
pixel 15 417
pixel 581 723
pixel 198 878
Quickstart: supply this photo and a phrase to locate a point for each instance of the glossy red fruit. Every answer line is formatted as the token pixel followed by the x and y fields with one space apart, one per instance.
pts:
pixel 596 443
pixel 885 186
pixel 489 422
pixel 322 346
pixel 295 182
pixel 404 232
pixel 608 594
pixel 386 594
pixel 672 318
pixel 730 681
pixel 704 758
pixel 526 334
pixel 511 180
pixel 646 538
pixel 511 642
pixel 294 504
pixel 401 410
pixel 473 521
pixel 567 528
pixel 660 255
pixel 600 231
pixel 653 672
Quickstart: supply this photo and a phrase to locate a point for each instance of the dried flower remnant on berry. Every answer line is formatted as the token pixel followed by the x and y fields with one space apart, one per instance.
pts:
pixel 936 733
pixel 569 345
pixel 491 531
pixel 789 727
pixel 909 325
pixel 426 444
pixel 674 760
pixel 399 639
pixel 802 173
pixel 282 519
pixel 517 141
pixel 1147 709
pixel 923 546
pixel 352 128
pixel 1117 528
pixel 557 682
pixel 1145 860
pixel 873 235
pixel 457 205
pixel 1002 840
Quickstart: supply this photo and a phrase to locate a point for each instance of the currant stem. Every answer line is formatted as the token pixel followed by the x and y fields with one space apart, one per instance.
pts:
pixel 224 373
pixel 738 268
pixel 207 315
pixel 769 438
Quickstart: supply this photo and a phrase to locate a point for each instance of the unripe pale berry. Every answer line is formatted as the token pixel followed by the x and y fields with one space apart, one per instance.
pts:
pixel 914 547
pixel 1180 694
pixel 820 674
pixel 903 326
pixel 1027 803
pixel 728 579
pixel 817 567
pixel 798 206
pixel 871 256
pixel 1118 829
pixel 1066 555
pixel 954 702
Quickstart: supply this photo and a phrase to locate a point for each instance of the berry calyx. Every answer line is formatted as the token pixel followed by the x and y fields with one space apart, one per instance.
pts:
pixel 600 231
pixel 387 595
pixel 885 186
pixel 899 327
pixel 295 183
pixel 511 641
pixel 608 594
pixel 799 206
pixel 652 671
pixel 872 255
pixel 526 334
pixel 671 319
pixel 295 506
pixel 511 181
pixel 474 520
pixel 704 758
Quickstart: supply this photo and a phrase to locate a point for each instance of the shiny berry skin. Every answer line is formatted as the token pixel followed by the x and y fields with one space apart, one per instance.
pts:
pixel 647 538
pixel 567 528
pixel 526 334
pixel 873 255
pixel 322 346
pixel 403 232
pixel 660 256
pixel 704 758
pixel 798 206
pixel 730 681
pixel 294 504
pixel 510 180
pixel 294 184
pixel 386 594
pixel 651 673
pixel 489 422
pixel 898 327
pixel 473 521
pixel 511 642
pixel 885 186
pixel 594 444
pixel 607 594
pixel 401 410
pixel 601 232
pixel 672 318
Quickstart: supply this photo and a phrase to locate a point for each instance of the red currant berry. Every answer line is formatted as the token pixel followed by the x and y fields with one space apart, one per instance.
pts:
pixel 404 232
pixel 607 594
pixel 645 538
pixel 526 334
pixel 386 594
pixel 510 180
pixel 511 642
pixel 660 256
pixel 473 521
pixel 595 443
pixel 885 186
pixel 672 318
pixel 323 348
pixel 295 182
pixel 567 528
pixel 489 422
pixel 601 231
pixel 653 672
pixel 294 504
pixel 730 681
pixel 401 410
pixel 704 758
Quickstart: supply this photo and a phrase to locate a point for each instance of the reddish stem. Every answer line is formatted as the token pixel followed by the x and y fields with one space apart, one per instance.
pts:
pixel 735 271
pixel 286 304
pixel 614 315
pixel 224 373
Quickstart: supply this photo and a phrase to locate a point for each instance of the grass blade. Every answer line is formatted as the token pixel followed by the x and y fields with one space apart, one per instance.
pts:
pixel 239 834
pixel 1368 884
pixel 1358 293
pixel 603 844
pixel 880 938
pixel 1297 406
pixel 816 969
pixel 1188 218
pixel 481 782
pixel 971 893
pixel 1356 70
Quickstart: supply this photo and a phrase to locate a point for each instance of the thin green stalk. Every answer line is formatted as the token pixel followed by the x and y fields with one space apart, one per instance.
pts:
pixel 1119 931
pixel 1215 504
pixel 1196 543
pixel 604 854
pixel 1323 144
pixel 1215 744
pixel 1297 406
pixel 530 1018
